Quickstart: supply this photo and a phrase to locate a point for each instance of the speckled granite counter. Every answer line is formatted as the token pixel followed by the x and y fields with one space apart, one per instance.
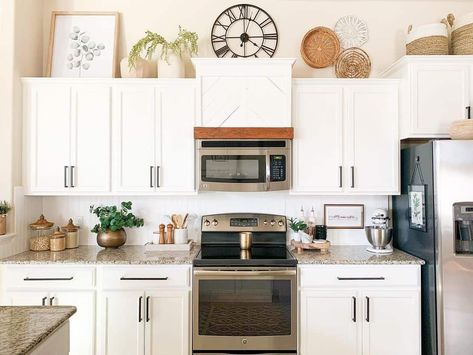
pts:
pixel 132 255
pixel 354 255
pixel 22 328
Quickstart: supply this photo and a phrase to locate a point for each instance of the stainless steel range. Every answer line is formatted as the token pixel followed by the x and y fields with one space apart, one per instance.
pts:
pixel 244 287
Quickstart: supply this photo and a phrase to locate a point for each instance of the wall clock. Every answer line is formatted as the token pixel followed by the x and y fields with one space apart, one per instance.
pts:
pixel 244 31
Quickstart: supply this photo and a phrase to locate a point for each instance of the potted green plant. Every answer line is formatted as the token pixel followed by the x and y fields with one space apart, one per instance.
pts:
pixel 296 225
pixel 5 207
pixel 110 231
pixel 170 63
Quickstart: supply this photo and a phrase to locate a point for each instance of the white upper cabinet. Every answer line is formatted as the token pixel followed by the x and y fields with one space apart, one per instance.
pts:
pixel 435 91
pixel 244 93
pixel 318 143
pixel 346 137
pixel 67 137
pixel 153 137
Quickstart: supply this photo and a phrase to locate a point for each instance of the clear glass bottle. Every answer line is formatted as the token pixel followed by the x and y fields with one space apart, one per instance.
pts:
pixel 40 232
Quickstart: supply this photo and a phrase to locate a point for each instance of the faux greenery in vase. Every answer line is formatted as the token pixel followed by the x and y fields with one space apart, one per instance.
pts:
pixel 5 207
pixel 296 225
pixel 110 231
pixel 170 63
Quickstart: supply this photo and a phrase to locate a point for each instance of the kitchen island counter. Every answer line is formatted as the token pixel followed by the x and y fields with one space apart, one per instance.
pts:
pixel 24 328
pixel 91 255
pixel 354 255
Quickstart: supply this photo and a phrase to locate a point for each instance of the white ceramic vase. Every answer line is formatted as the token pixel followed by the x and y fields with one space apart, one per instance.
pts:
pixel 173 67
pixel 143 69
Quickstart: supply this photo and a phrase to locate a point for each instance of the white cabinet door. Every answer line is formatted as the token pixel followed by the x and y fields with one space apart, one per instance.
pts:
pixel 47 139
pixel 121 323
pixel 440 94
pixel 134 136
pixel 90 138
pixel 372 149
pixel 318 139
pixel 167 322
pixel 330 323
pixel 82 323
pixel 391 323
pixel 26 298
pixel 175 138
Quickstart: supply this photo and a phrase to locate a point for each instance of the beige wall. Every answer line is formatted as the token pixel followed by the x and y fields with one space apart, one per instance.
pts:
pixel 387 21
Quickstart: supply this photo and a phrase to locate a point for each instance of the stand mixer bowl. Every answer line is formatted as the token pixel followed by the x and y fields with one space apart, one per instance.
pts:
pixel 379 237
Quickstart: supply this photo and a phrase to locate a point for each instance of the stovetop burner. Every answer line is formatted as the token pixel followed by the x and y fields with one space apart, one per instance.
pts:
pixel 221 247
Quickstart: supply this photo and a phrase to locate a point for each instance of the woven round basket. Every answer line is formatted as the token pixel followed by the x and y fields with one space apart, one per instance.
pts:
pixel 429 39
pixel 320 47
pixel 353 63
pixel 462 34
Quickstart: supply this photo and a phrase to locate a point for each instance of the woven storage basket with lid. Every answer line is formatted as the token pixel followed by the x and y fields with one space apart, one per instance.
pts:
pixel 429 39
pixel 462 34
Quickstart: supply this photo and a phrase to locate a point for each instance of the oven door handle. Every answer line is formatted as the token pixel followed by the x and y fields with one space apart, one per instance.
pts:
pixel 237 273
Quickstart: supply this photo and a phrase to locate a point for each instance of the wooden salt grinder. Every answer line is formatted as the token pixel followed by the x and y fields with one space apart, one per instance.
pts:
pixel 162 238
pixel 170 234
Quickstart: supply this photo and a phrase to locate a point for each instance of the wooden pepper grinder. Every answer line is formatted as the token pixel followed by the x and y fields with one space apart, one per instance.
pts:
pixel 162 238
pixel 170 234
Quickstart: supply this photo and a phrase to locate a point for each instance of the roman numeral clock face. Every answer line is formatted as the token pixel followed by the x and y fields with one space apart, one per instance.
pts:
pixel 244 31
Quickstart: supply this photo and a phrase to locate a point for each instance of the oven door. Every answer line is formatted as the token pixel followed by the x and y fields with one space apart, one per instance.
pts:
pixel 244 310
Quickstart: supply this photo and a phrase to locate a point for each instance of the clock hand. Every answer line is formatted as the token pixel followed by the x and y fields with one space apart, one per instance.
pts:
pixel 249 40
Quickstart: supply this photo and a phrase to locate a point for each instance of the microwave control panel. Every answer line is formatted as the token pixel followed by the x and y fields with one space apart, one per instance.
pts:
pixel 278 168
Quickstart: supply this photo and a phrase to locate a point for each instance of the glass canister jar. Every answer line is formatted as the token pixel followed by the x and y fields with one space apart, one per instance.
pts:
pixel 72 235
pixel 40 231
pixel 57 241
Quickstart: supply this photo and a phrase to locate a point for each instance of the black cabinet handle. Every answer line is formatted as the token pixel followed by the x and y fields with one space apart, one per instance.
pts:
pixel 354 309
pixel 72 176
pixel 43 302
pixel 65 176
pixel 151 176
pixel 468 112
pixel 158 183
pixel 368 309
pixel 340 176
pixel 139 309
pixel 143 278
pixel 51 301
pixel 352 177
pixel 147 309
pixel 48 278
pixel 360 278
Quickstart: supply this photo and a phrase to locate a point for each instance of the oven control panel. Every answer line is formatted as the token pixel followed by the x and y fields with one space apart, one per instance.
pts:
pixel 244 222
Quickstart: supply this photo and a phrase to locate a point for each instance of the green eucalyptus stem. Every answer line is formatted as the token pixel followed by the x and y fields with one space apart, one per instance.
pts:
pixel 185 42
pixel 114 218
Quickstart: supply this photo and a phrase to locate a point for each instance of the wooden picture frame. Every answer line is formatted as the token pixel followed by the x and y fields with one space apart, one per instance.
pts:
pixel 344 216
pixel 61 54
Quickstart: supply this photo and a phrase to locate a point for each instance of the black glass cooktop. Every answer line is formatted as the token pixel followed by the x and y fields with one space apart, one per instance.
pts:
pixel 232 255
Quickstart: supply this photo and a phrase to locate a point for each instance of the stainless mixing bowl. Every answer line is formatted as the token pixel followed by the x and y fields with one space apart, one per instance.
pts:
pixel 378 237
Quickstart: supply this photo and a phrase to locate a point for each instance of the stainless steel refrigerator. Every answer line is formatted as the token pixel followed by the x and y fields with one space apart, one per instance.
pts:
pixel 433 219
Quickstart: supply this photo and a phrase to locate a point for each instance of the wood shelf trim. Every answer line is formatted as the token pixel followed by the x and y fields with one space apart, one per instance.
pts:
pixel 244 133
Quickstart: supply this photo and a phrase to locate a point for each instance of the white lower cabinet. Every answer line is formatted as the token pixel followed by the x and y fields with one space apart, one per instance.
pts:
pixel 353 310
pixel 144 311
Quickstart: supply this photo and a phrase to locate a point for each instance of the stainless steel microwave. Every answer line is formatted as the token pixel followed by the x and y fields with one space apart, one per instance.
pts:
pixel 244 165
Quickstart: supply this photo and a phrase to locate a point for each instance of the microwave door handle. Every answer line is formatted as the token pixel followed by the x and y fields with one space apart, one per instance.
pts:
pixel 268 170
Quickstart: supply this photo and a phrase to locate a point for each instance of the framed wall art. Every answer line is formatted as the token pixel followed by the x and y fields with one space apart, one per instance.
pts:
pixel 83 45
pixel 417 210
pixel 344 216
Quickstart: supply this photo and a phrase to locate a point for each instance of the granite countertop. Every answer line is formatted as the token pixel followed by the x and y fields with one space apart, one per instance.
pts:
pixel 92 254
pixel 355 255
pixel 22 328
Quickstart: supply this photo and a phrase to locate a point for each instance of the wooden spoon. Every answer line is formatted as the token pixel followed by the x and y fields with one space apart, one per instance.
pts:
pixel 179 221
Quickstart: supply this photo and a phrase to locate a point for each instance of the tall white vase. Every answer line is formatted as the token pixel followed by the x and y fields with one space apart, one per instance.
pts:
pixel 172 68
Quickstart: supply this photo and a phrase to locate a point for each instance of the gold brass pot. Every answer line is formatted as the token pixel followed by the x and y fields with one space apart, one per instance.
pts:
pixel 3 224
pixel 111 239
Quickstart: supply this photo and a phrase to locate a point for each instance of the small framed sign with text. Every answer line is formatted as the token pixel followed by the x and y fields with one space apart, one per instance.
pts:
pixel 344 216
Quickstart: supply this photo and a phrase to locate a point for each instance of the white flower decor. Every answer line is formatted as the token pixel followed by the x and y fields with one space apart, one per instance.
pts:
pixel 351 31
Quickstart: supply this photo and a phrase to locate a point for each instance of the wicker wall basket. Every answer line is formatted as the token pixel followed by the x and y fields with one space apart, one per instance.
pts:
pixel 462 130
pixel 429 39
pixel 320 47
pixel 353 63
pixel 462 34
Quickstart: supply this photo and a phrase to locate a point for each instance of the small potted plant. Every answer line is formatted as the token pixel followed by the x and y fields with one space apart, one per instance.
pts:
pixel 4 209
pixel 296 225
pixel 170 63
pixel 110 231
